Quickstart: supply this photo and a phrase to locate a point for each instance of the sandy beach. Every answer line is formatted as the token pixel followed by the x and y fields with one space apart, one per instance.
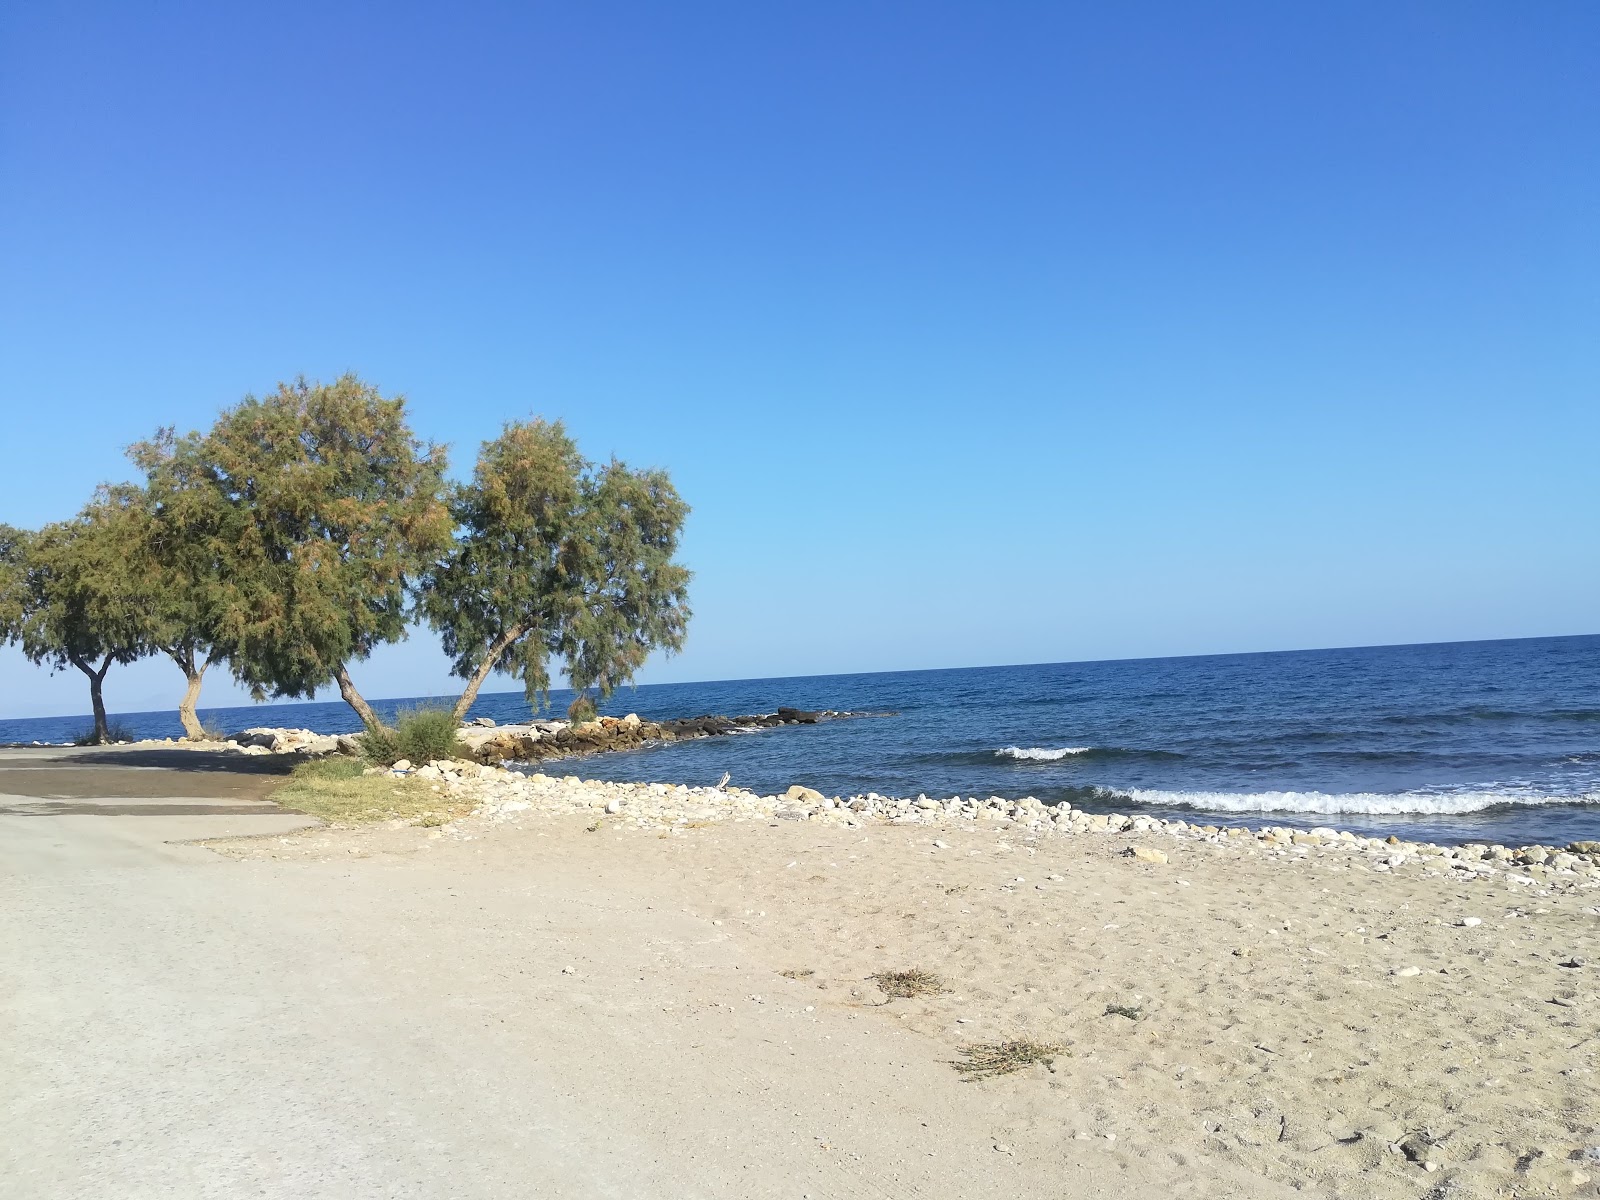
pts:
pixel 1231 1021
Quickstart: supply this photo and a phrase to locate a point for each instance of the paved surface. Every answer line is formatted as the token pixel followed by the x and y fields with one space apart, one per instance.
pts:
pixel 393 1020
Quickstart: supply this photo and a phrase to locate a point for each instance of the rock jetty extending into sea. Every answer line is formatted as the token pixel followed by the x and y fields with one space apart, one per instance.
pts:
pixel 538 741
pixel 530 741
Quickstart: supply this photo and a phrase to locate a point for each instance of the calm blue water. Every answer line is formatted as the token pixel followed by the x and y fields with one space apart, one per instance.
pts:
pixel 1496 741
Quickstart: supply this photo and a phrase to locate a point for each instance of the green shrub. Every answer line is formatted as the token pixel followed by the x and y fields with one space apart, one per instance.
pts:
pixel 114 733
pixel 582 709
pixel 419 734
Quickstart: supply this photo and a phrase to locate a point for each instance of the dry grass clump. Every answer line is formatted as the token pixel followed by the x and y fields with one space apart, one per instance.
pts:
pixel 985 1060
pixel 335 790
pixel 798 973
pixel 905 985
pixel 1131 1011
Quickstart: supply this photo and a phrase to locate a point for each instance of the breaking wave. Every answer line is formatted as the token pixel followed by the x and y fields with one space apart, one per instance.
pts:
pixel 1036 754
pixel 1371 803
pixel 1096 753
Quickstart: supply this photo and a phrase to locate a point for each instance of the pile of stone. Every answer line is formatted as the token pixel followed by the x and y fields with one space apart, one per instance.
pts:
pixel 503 795
pixel 263 740
pixel 537 741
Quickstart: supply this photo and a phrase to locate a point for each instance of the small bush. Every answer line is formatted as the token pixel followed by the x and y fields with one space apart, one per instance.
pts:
pixel 904 985
pixel 213 731
pixel 419 734
pixel 114 733
pixel 988 1059
pixel 1131 1011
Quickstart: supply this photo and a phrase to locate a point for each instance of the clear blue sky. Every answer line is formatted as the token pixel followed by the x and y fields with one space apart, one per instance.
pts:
pixel 974 333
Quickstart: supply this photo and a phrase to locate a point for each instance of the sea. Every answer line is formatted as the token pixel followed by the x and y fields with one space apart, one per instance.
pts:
pixel 1495 741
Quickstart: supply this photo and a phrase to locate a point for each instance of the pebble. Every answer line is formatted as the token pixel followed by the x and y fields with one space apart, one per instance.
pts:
pixel 1471 922
pixel 1406 972
pixel 1002 1148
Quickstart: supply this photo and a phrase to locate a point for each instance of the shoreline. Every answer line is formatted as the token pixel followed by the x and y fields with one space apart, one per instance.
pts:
pixel 558 741
pixel 500 794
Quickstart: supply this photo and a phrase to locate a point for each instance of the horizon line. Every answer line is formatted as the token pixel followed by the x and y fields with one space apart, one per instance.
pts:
pixel 264 704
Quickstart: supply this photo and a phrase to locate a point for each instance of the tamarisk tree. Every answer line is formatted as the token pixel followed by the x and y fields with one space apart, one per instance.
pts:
pixel 304 516
pixel 555 556
pixel 175 560
pixel 13 582
pixel 70 596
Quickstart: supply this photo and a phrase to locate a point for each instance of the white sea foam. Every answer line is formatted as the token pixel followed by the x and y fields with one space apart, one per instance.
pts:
pixel 1373 803
pixel 1035 754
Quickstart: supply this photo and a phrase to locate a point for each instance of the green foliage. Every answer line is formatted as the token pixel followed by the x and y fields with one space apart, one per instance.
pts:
pixel 420 735
pixel 557 556
pixel 72 594
pixel 582 709
pixel 299 519
pixel 82 601
pixel 335 790
pixel 332 768
pixel 13 582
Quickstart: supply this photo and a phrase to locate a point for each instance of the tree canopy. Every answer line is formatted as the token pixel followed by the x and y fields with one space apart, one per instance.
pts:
pixel 557 556
pixel 77 597
pixel 13 582
pixel 310 510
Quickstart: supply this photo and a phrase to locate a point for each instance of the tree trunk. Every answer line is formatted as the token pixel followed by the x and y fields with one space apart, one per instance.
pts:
pixel 347 689
pixel 192 729
pixel 490 661
pixel 102 728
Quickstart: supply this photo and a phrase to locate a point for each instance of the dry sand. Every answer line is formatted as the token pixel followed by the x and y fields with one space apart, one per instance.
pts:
pixel 1298 1021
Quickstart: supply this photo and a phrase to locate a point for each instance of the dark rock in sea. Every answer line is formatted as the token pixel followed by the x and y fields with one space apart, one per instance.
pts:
pixel 543 740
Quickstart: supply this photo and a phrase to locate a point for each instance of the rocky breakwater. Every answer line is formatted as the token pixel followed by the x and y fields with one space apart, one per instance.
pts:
pixel 293 741
pixel 538 741
pixel 263 740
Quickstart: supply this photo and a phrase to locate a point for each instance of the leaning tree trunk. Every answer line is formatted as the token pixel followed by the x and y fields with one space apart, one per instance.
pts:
pixel 192 729
pixel 102 728
pixel 490 661
pixel 353 698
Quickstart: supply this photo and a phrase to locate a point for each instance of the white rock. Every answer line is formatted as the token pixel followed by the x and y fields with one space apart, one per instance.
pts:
pixel 1406 972
pixel 1471 922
